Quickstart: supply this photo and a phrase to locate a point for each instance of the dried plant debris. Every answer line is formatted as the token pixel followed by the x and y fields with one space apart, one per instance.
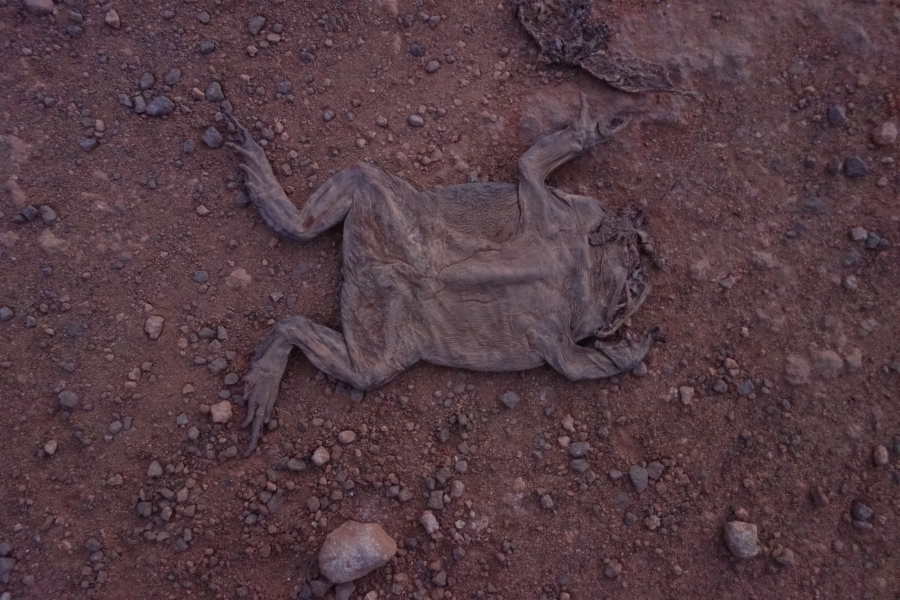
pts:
pixel 568 35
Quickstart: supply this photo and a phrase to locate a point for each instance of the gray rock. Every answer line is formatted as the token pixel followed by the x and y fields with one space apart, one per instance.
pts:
pixel 436 500
pixel 284 87
pixel 355 549
pixel 862 511
pixel 212 138
pixel 742 539
pixel 836 114
pixel 214 92
pixel 432 66
pixel 147 81
pixel 328 115
pixel 745 389
pixel 579 465
pixel 217 366
pixel 200 276
pixel 579 449
pixel 640 478
pixel 87 144
pixel 172 77
pixel 854 167
pixel 416 50
pixel 429 522
pixel 140 105
pixel 256 24
pixel 159 107
pixel 415 121
pixel 207 47
pixel 343 591
pixel 6 314
pixel 154 470
pixel 655 470
pixel 68 399
pixel 48 215
pixel 509 399
pixel 231 379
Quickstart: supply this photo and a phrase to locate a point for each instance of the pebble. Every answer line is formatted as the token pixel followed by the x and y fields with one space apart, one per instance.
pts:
pixel 885 135
pixel 509 399
pixel 154 470
pixel 328 115
pixel 579 449
pixel 742 539
pixel 381 121
pixel 68 399
pixel 836 114
pixel 745 389
pixel 355 549
pixel 861 511
pixel 347 436
pixel 50 447
pixel 284 87
pixel 146 82
pixel 416 50
pixel 321 456
pixel 429 522
pixel 612 569
pixel 858 234
pixel 159 107
pixel 207 47
pixel 256 24
pixel 88 144
pixel 218 365
pixel 415 121
pixel 686 394
pixel 112 19
pixel 212 138
pixel 214 92
pixel 154 326
pixel 239 278
pixel 203 17
pixel 48 215
pixel 655 470
pixel 221 412
pixel 6 314
pixel 200 277
pixel 880 456
pixel 854 167
pixel 432 66
pixel 797 370
pixel 172 77
pixel 231 379
pixel 640 478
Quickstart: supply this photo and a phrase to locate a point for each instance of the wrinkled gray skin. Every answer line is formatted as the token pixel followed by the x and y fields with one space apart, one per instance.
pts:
pixel 482 276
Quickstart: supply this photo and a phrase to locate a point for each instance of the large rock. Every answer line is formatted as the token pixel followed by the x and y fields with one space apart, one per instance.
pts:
pixel 355 549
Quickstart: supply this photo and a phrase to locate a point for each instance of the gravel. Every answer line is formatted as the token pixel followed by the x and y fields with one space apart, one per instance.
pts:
pixel 742 539
pixel 416 50
pixel 355 549
pixel 6 314
pixel 415 121
pixel 146 82
pixel 321 456
pixel 347 436
pixel 159 107
pixel 328 115
pixel 432 66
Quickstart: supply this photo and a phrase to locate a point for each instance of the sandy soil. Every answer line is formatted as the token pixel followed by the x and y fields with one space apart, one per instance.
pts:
pixel 774 401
